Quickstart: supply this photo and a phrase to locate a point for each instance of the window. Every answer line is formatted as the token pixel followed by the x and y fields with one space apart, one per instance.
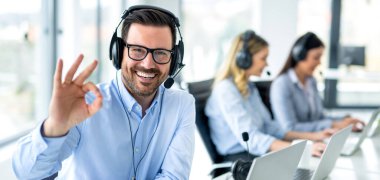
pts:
pixel 19 42
pixel 208 33
pixel 359 85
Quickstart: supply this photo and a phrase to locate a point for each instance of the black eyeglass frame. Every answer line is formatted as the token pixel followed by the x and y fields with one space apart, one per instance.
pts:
pixel 149 50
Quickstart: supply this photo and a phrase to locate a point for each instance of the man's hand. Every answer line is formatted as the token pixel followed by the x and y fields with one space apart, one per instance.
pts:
pixel 68 106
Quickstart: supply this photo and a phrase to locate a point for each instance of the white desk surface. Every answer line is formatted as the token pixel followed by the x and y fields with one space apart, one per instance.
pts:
pixel 365 160
pixel 364 164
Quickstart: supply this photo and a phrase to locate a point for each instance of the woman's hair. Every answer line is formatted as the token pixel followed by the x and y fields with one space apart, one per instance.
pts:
pixel 230 69
pixel 311 42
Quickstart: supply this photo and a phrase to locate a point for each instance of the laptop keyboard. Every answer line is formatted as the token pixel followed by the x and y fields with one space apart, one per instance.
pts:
pixel 349 145
pixel 303 174
pixel 348 149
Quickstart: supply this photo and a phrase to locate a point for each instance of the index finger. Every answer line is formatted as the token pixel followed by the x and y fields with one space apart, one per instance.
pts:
pixel 73 69
pixel 86 73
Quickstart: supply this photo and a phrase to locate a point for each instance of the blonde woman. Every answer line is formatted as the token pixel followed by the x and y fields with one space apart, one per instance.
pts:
pixel 235 106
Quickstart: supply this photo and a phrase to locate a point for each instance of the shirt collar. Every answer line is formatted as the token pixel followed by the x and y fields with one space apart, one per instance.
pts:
pixel 129 101
pixel 293 77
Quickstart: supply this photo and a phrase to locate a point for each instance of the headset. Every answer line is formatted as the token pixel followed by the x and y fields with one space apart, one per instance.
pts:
pixel 240 169
pixel 117 44
pixel 244 57
pixel 299 50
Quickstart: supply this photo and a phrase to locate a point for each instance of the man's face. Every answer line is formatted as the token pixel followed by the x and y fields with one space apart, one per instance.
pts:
pixel 142 78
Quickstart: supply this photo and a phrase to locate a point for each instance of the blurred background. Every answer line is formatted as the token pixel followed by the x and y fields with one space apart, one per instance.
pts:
pixel 35 33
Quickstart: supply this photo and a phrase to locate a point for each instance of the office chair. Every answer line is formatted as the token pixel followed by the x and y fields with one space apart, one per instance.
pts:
pixel 264 91
pixel 201 91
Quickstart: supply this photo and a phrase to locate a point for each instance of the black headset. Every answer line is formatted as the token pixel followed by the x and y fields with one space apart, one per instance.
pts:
pixel 117 44
pixel 240 169
pixel 299 50
pixel 244 57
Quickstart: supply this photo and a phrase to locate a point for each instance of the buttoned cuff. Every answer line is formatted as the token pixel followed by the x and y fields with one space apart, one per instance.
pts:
pixel 45 144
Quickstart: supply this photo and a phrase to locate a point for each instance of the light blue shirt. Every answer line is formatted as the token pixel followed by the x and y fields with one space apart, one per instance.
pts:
pixel 100 147
pixel 230 114
pixel 298 107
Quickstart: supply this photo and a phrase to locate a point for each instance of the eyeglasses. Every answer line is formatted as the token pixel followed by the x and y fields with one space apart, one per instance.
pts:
pixel 138 53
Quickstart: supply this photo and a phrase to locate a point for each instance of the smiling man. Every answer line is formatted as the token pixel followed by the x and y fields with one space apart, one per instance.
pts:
pixel 130 128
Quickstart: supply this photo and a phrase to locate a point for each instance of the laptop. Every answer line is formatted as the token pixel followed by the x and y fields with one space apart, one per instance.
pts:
pixel 355 140
pixel 328 158
pixel 277 165
pixel 374 129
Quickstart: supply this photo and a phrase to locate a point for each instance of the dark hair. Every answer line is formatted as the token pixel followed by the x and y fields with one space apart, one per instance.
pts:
pixel 149 17
pixel 311 43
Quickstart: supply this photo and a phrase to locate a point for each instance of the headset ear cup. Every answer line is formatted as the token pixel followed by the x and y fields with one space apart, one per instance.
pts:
pixel 299 53
pixel 177 59
pixel 117 52
pixel 240 169
pixel 243 59
pixel 112 49
pixel 174 63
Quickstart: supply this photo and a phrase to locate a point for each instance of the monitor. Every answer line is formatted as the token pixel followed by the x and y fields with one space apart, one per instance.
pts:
pixel 352 55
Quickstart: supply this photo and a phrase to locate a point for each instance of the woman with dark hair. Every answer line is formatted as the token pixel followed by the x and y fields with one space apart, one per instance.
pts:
pixel 294 95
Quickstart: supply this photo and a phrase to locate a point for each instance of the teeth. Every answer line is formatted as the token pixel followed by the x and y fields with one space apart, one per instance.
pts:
pixel 145 75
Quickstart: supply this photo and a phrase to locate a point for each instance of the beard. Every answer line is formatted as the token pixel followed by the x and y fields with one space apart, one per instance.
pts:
pixel 139 88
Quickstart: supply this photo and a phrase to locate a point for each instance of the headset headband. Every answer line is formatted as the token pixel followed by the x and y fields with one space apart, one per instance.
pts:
pixel 139 7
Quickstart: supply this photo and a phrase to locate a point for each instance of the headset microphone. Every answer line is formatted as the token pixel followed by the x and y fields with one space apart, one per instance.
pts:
pixel 170 81
pixel 245 139
pixel 268 72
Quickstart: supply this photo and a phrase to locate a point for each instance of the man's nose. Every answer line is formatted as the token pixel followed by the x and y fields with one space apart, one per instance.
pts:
pixel 148 61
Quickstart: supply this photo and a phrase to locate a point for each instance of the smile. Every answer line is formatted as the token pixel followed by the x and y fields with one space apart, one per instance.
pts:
pixel 145 75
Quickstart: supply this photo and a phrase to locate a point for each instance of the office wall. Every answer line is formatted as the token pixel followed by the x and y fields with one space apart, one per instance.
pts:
pixel 277 21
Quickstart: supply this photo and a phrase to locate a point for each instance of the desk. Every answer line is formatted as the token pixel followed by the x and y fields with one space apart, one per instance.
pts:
pixel 366 159
pixel 363 165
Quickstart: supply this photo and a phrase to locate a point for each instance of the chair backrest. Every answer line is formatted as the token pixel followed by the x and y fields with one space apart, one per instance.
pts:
pixel 264 91
pixel 201 91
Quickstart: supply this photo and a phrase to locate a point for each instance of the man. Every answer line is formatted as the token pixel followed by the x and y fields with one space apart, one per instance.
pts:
pixel 130 128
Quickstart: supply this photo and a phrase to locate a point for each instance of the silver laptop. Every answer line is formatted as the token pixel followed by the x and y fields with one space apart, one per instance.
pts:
pixel 328 159
pixel 355 140
pixel 374 129
pixel 277 165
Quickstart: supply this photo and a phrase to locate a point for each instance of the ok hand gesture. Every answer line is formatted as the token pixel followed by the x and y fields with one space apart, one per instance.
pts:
pixel 68 106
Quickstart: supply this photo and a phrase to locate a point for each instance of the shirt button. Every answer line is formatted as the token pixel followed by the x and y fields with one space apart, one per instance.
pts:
pixel 137 150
